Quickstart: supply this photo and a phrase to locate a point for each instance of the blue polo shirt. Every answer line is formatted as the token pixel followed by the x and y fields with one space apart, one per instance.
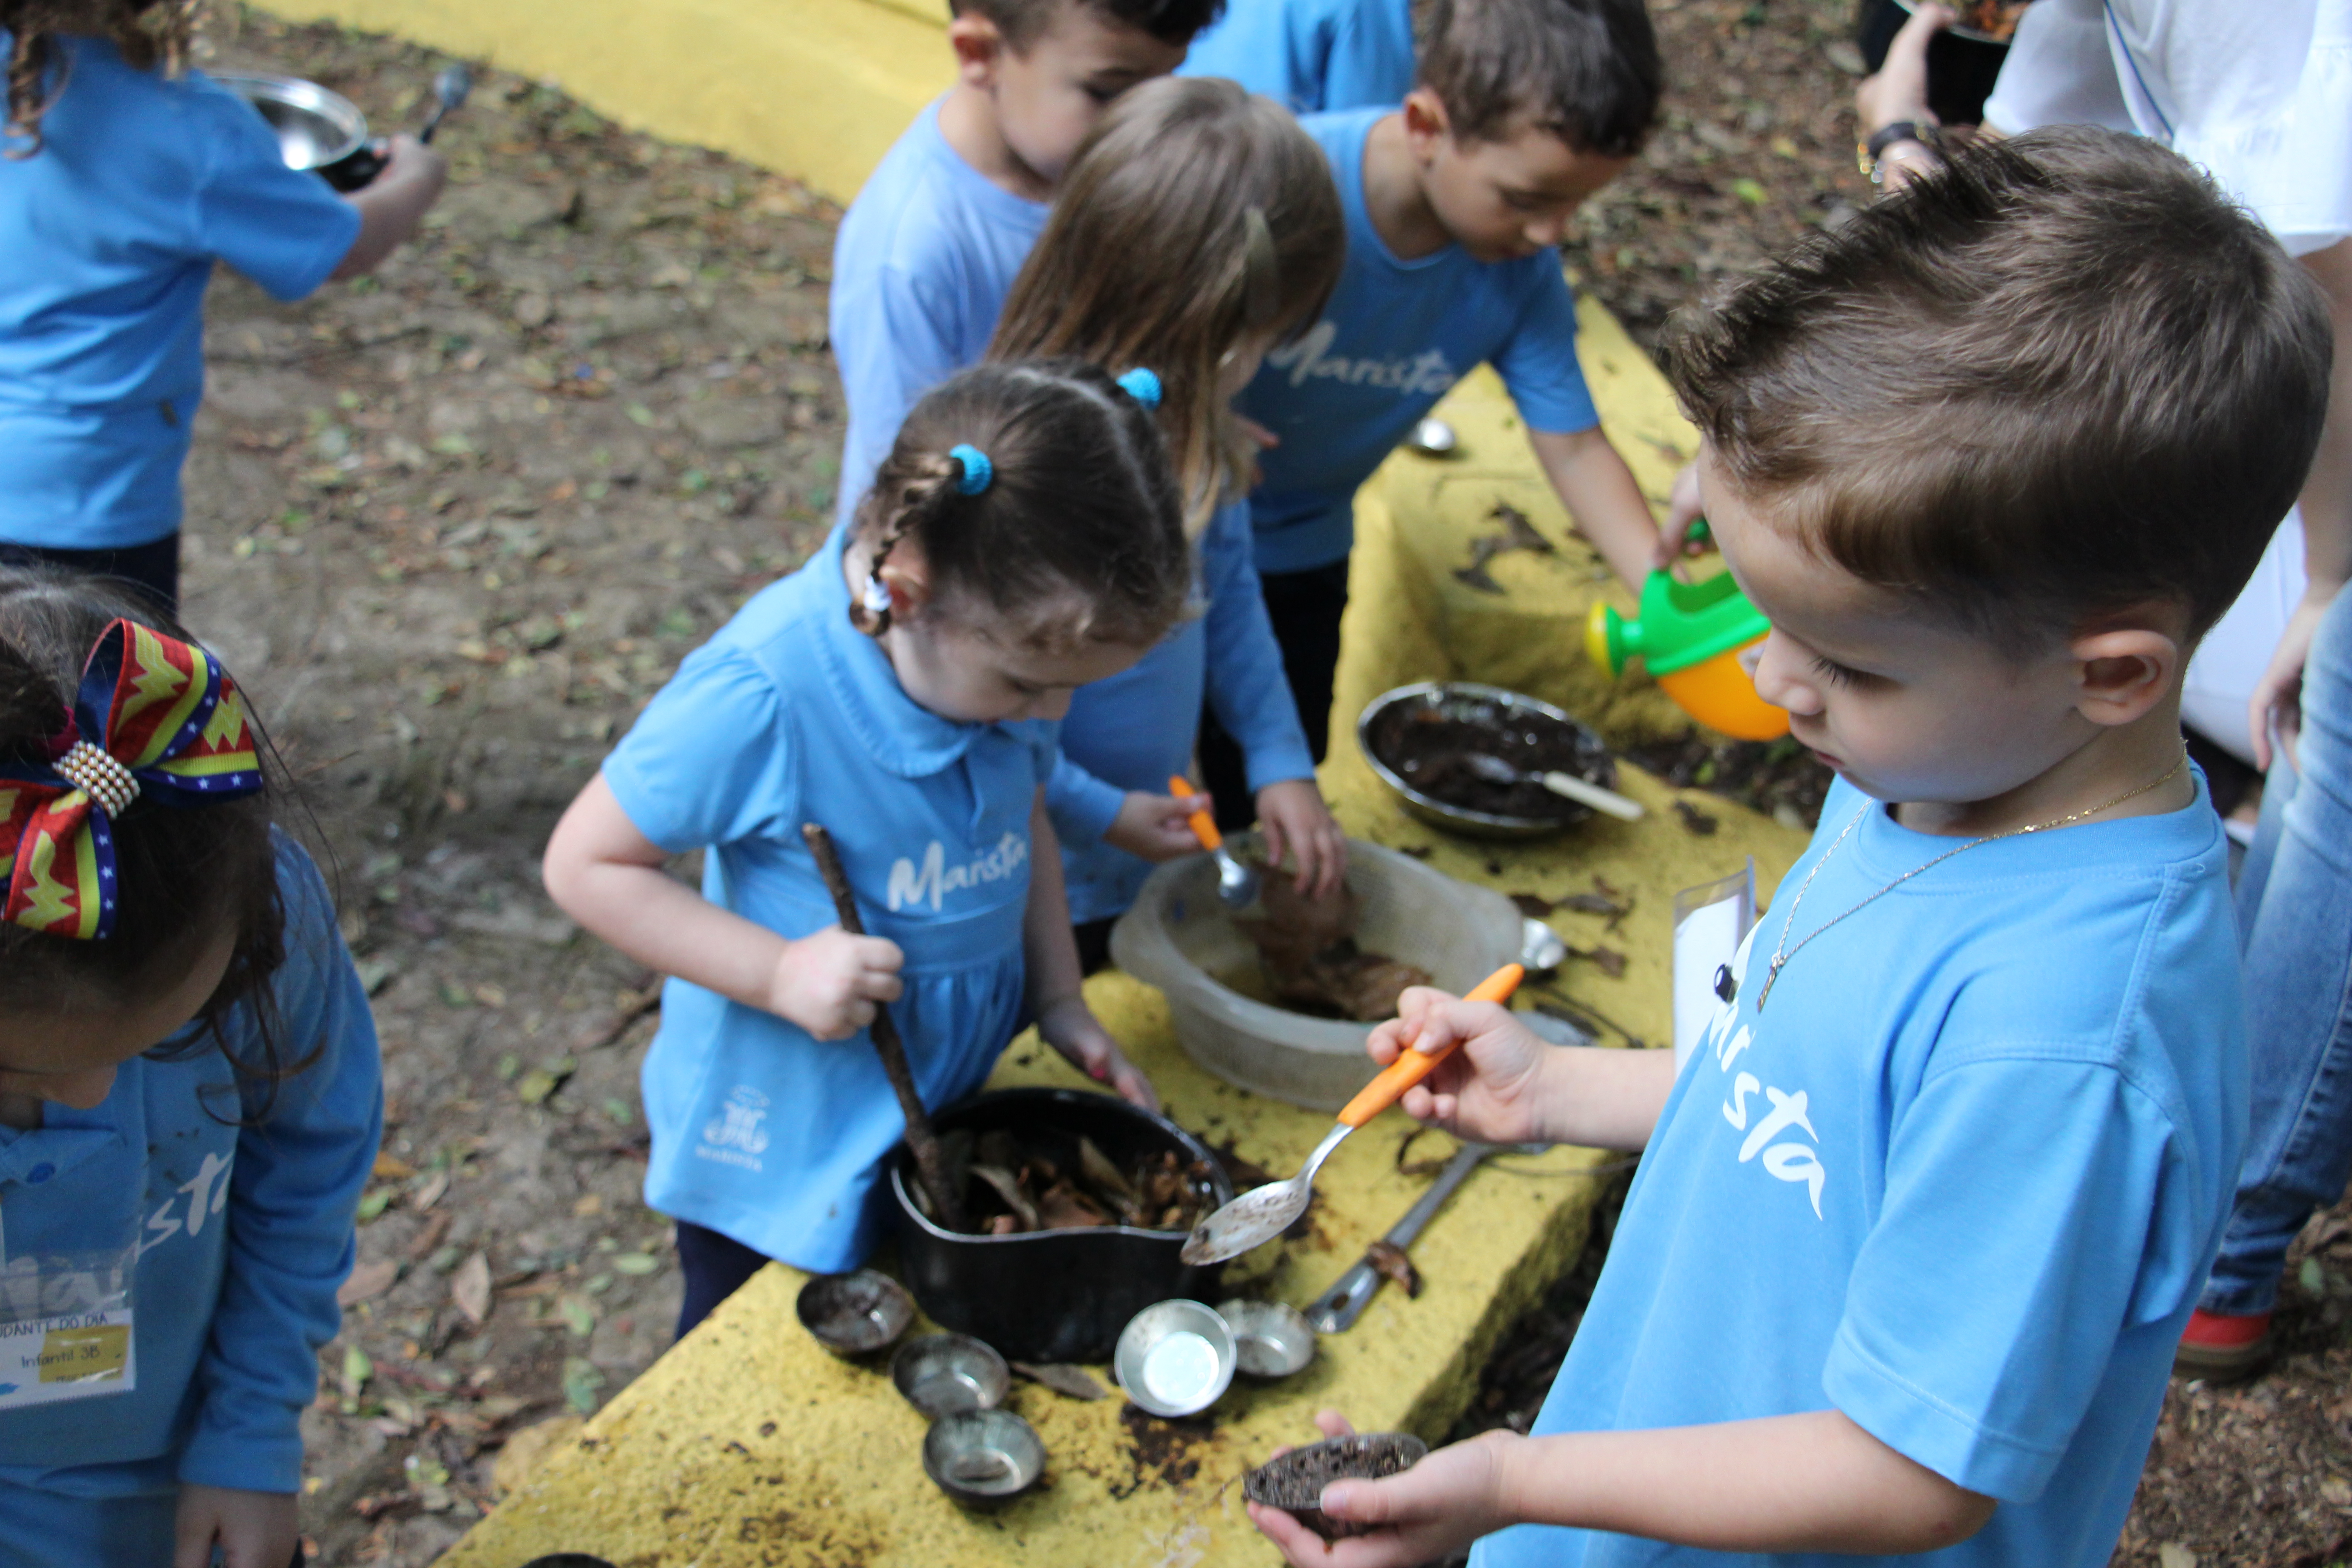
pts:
pixel 1312 55
pixel 1395 337
pixel 1959 1178
pixel 926 255
pixel 108 237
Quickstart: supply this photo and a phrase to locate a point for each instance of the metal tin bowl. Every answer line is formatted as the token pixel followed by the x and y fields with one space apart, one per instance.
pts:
pixel 318 129
pixel 1469 701
pixel 983 1456
pixel 1175 1358
pixel 850 1314
pixel 1294 1481
pixel 1271 1339
pixel 949 1374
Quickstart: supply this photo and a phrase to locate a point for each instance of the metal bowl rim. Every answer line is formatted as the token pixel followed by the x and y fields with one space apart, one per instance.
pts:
pixel 993 1416
pixel 1283 1313
pixel 894 1292
pixel 1461 814
pixel 300 92
pixel 1229 1355
pixel 963 1342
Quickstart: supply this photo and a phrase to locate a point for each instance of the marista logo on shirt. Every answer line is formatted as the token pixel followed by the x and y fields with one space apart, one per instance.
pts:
pixel 934 880
pixel 1778 1115
pixel 1311 358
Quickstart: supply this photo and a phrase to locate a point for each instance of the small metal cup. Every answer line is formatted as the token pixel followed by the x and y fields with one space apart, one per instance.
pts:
pixel 949 1374
pixel 1271 1339
pixel 983 1457
pixel 850 1314
pixel 1175 1358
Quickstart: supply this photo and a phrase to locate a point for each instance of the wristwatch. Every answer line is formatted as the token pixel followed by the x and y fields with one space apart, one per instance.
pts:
pixel 1868 154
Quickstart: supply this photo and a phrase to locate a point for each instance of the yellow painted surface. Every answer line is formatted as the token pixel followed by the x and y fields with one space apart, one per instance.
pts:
pixel 816 88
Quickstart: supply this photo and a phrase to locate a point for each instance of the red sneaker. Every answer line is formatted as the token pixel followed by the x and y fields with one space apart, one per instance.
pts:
pixel 2222 1348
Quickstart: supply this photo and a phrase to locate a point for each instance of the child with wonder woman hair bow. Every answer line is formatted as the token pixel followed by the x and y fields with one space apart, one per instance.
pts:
pixel 190 1100
pixel 1024 538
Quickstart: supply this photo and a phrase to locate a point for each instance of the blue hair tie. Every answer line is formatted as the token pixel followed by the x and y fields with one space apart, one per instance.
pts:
pixel 1142 385
pixel 976 469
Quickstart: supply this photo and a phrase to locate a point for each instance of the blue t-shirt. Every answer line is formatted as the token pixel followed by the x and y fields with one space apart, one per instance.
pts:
pixel 926 255
pixel 241 1236
pixel 1312 55
pixel 1135 730
pixel 1959 1180
pixel 108 237
pixel 1395 337
pixel 789 715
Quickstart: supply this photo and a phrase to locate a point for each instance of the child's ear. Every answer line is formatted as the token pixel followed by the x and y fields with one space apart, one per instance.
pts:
pixel 979 44
pixel 2120 675
pixel 908 578
pixel 1425 122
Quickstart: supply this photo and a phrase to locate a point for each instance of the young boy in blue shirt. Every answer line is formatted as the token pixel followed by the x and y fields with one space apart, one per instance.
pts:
pixel 122 180
pixel 1918 1228
pixel 1314 57
pixel 1455 206
pixel 929 249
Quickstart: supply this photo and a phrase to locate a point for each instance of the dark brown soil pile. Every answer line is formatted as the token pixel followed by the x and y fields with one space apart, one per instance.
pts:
pixel 1307 948
pixel 1432 751
pixel 1293 1482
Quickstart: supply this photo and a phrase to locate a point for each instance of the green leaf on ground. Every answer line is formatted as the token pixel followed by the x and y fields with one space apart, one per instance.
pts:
pixel 581 1382
pixel 2313 1276
pixel 636 1263
pixel 357 1369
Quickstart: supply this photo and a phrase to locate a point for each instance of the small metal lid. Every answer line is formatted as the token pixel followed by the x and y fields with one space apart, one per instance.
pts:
pixel 1175 1358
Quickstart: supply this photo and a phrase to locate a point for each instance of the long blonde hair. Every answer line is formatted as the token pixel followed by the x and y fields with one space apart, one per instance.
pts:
pixel 1196 217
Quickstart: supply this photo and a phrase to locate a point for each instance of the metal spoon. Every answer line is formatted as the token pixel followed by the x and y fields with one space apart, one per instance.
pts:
pixel 450 91
pixel 1260 1215
pixel 1494 769
pixel 1236 883
pixel 1433 438
pixel 1336 1310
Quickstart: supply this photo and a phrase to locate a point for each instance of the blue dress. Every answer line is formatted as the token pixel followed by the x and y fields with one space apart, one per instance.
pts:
pixel 789 714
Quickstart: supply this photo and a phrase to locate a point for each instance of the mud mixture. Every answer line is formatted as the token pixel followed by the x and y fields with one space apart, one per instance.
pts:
pixel 1013 1184
pixel 1430 748
pixel 1308 949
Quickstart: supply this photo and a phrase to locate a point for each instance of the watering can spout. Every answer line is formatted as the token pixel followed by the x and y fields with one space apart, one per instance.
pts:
pixel 1690 636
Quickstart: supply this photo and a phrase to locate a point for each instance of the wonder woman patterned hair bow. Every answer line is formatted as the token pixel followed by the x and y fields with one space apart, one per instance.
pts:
pixel 153 716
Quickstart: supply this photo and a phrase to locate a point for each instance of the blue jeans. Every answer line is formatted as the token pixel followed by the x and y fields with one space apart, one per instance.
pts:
pixel 2295 917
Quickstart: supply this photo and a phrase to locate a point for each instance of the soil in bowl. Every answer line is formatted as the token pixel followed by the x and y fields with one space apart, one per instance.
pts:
pixel 1293 1482
pixel 1431 749
pixel 1014 1183
pixel 1309 955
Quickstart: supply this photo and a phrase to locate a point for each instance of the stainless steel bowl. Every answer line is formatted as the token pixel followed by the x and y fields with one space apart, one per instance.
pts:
pixel 1469 701
pixel 850 1314
pixel 1175 1358
pixel 949 1374
pixel 1271 1339
pixel 318 129
pixel 983 1456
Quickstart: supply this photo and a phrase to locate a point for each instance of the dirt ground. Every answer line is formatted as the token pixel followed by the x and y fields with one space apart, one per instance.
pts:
pixel 453 524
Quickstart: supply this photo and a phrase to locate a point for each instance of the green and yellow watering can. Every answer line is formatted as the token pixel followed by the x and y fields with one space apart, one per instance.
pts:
pixel 1690 636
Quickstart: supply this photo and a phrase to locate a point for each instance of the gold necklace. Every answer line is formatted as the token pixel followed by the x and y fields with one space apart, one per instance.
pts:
pixel 1782 952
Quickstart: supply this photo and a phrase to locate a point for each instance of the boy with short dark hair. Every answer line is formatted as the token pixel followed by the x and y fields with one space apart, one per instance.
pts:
pixel 1456 203
pixel 1918 1228
pixel 929 249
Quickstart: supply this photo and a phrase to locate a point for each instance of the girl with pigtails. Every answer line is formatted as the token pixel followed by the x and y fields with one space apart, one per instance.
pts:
pixel 1024 538
pixel 1229 238
pixel 190 1100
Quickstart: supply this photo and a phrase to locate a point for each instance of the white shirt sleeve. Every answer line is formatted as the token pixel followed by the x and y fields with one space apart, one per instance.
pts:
pixel 2059 72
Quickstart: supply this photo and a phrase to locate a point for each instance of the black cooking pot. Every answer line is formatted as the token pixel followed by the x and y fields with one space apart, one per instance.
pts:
pixel 1051 1295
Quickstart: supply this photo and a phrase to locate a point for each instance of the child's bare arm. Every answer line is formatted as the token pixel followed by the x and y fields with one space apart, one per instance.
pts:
pixel 1505 1086
pixel 392 203
pixel 1065 1020
pixel 609 877
pixel 1594 483
pixel 1808 1483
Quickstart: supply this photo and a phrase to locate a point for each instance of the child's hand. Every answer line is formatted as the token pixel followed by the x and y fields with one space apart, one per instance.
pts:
pixel 1071 1027
pixel 253 1529
pixel 1683 508
pixel 1295 822
pixel 1490 1091
pixel 1156 827
pixel 830 983
pixel 1435 1509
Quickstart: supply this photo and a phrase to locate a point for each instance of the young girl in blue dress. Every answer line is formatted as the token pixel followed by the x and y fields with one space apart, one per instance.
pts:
pixel 190 1100
pixel 1024 538
pixel 1229 236
pixel 124 178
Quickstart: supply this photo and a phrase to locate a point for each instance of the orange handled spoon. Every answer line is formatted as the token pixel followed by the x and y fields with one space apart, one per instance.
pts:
pixel 1260 1215
pixel 1236 883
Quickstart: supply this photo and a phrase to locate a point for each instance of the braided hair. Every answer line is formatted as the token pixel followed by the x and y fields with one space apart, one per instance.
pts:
pixel 148 33
pixel 1069 529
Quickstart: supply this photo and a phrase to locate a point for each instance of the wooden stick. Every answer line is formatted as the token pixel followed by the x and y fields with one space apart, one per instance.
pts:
pixel 931 1167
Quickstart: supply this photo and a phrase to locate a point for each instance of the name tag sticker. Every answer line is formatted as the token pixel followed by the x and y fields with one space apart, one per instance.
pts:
pixel 80 1356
